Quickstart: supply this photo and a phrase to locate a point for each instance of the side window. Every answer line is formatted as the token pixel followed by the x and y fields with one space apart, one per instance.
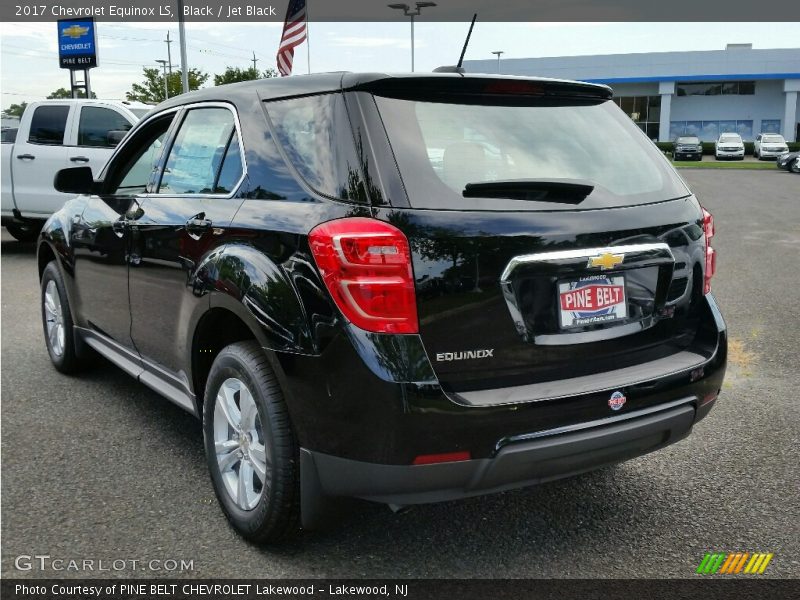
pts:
pixel 316 136
pixel 130 171
pixel 97 123
pixel 231 170
pixel 48 124
pixel 200 155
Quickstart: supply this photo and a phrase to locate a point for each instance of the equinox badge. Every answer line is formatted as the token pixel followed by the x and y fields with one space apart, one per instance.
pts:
pixel 465 355
pixel 606 261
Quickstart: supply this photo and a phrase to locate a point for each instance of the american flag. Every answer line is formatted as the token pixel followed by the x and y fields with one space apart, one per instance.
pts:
pixel 294 34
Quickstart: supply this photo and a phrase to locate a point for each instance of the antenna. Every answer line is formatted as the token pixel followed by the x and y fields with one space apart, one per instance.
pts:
pixel 466 43
pixel 458 68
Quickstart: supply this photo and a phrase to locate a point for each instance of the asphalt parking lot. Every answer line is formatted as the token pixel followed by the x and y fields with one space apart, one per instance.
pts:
pixel 99 467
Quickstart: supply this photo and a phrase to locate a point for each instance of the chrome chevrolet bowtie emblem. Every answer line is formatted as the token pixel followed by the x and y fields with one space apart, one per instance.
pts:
pixel 606 261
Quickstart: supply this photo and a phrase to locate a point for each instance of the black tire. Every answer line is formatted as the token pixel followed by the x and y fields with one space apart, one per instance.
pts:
pixel 276 516
pixel 795 166
pixel 68 360
pixel 24 232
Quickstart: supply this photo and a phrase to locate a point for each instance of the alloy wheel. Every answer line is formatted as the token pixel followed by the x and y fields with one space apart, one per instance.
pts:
pixel 243 458
pixel 54 318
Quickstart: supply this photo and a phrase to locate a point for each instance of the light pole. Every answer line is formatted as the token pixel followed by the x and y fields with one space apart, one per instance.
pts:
pixel 182 44
pixel 412 12
pixel 163 64
pixel 169 52
pixel 498 53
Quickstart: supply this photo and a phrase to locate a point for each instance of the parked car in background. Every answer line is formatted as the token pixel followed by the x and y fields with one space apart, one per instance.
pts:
pixel 501 283
pixel 8 134
pixel 688 148
pixel 729 145
pixel 52 135
pixel 769 145
pixel 787 160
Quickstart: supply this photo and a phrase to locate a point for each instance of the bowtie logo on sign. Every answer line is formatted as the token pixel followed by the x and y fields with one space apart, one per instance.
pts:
pixel 74 31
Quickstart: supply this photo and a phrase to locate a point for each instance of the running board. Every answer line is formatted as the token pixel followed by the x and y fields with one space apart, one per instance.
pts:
pixel 142 370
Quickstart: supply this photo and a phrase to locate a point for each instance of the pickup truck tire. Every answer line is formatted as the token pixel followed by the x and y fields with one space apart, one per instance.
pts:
pixel 59 334
pixel 24 232
pixel 251 450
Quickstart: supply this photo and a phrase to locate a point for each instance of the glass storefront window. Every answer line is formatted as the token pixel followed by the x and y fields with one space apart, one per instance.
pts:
pixel 745 129
pixel 770 125
pixel 709 131
pixel 715 88
pixel 676 129
pixel 747 88
pixel 645 111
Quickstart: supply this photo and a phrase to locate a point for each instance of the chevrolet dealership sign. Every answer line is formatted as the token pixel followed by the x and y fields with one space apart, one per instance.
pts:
pixel 77 44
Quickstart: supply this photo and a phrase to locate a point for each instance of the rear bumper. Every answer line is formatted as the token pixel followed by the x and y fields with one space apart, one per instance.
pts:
pixel 547 456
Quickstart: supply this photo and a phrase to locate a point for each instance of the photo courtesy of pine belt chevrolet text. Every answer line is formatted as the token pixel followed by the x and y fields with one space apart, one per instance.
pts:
pixel 400 288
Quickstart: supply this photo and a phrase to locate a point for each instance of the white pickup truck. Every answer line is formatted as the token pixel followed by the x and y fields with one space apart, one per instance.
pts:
pixel 53 135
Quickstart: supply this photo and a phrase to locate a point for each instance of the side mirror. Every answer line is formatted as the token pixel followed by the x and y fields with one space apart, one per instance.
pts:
pixel 114 137
pixel 75 180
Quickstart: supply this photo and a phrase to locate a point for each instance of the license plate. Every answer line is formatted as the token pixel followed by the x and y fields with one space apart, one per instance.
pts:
pixel 591 300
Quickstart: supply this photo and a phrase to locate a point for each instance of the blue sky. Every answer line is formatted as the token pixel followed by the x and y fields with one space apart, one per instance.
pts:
pixel 29 65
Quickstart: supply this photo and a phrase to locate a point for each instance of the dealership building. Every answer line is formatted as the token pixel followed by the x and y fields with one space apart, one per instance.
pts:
pixel 702 93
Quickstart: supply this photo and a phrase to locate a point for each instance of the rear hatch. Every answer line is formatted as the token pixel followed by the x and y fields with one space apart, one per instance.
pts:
pixel 551 239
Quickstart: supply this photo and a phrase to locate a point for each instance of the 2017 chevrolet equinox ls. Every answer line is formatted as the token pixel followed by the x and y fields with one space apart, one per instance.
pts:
pixel 406 289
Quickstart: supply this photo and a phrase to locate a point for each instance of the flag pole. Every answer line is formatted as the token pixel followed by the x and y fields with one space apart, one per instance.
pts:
pixel 308 39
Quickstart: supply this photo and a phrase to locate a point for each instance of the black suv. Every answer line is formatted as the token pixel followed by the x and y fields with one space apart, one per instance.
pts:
pixel 405 289
pixel 688 147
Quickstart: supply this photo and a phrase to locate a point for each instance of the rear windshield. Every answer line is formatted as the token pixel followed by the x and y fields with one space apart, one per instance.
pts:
pixel 443 147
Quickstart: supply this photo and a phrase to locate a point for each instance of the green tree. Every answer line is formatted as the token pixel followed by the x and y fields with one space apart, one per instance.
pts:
pixel 65 93
pixel 15 110
pixel 152 88
pixel 235 74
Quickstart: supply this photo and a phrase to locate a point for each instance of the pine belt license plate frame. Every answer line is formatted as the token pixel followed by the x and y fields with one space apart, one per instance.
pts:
pixel 591 300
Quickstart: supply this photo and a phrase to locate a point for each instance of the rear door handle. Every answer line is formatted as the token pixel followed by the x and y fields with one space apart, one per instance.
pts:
pixel 198 224
pixel 118 226
pixel 79 159
pixel 26 156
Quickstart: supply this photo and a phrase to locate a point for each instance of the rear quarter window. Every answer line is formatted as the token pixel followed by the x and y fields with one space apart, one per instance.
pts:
pixel 317 139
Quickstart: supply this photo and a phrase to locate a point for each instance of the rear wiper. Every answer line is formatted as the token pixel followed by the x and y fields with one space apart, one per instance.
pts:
pixel 562 191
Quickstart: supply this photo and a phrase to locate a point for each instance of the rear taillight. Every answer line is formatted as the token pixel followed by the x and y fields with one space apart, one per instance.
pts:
pixel 366 266
pixel 711 255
